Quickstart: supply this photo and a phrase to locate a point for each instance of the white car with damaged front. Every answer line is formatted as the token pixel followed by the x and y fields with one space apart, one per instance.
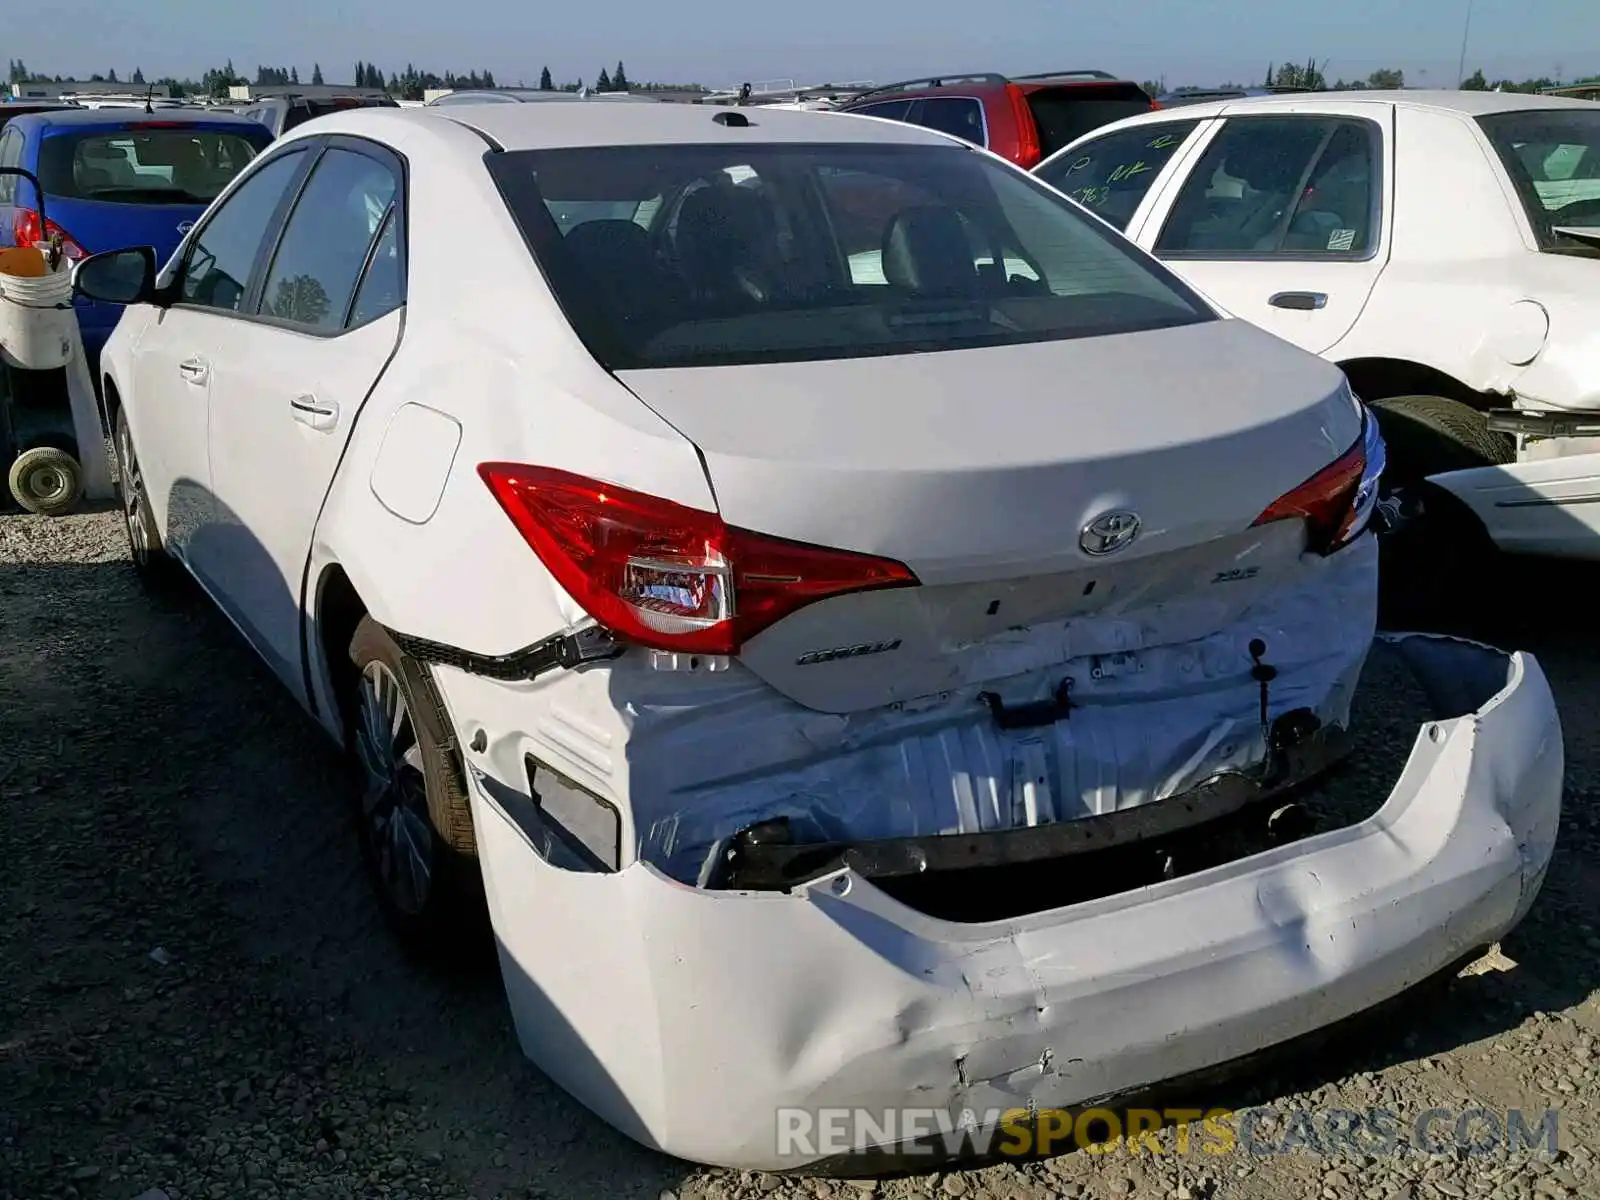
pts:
pixel 696 539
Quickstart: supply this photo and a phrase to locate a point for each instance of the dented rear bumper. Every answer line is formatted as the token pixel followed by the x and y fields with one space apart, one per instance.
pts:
pixel 689 1017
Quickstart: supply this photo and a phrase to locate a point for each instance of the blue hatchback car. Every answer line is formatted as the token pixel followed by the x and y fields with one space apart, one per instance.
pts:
pixel 118 177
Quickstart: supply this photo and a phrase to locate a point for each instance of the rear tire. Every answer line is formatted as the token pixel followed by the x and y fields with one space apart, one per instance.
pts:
pixel 46 481
pixel 158 572
pixel 1427 435
pixel 414 819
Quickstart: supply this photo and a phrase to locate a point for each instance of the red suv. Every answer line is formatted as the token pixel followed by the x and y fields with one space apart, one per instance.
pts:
pixel 1023 117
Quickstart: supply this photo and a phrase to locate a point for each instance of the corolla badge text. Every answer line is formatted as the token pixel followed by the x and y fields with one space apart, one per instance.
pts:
pixel 811 658
pixel 1108 533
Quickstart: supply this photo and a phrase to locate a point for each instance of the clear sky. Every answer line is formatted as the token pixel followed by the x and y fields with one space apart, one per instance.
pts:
pixel 721 42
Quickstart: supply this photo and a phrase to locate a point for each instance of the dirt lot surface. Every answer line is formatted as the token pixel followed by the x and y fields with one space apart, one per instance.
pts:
pixel 197 998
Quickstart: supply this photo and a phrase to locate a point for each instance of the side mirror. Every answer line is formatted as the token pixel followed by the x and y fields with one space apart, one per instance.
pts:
pixel 118 276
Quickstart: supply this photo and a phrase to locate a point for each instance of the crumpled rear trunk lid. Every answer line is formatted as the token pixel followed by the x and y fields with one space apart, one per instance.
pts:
pixel 981 470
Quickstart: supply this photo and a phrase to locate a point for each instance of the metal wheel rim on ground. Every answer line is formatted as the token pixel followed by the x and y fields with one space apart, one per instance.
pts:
pixel 394 802
pixel 132 488
pixel 46 484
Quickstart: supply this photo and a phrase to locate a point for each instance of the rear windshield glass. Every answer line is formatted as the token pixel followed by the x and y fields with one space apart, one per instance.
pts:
pixel 1065 114
pixel 1553 158
pixel 668 256
pixel 144 166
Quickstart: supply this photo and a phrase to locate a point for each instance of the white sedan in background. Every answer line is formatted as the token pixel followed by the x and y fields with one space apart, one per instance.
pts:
pixel 830 654
pixel 1443 248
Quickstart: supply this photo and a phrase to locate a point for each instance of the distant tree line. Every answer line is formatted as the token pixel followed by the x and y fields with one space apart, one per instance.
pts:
pixel 277 76
pixel 1312 76
pixel 1476 82
pixel 411 84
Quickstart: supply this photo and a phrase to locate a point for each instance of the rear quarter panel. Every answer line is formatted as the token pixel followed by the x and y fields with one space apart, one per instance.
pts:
pixel 1445 298
pixel 486 348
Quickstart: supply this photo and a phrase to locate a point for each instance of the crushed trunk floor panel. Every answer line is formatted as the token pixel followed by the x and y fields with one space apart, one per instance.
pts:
pixel 1390 706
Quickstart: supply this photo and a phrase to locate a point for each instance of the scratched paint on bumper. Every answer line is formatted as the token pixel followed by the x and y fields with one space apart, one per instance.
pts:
pixel 687 1018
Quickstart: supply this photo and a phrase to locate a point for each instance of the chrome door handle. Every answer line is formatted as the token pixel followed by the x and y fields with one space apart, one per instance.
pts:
pixel 1302 301
pixel 319 414
pixel 194 370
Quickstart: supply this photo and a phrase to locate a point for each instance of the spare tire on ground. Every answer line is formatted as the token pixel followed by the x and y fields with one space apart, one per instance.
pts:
pixel 46 480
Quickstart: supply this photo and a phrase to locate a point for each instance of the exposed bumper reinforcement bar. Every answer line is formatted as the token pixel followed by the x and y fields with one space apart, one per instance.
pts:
pixel 761 857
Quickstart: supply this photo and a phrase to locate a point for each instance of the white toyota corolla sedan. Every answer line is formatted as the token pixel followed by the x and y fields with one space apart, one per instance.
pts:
pixel 821 593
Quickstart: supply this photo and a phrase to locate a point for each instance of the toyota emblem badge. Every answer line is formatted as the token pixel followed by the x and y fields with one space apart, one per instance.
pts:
pixel 1108 533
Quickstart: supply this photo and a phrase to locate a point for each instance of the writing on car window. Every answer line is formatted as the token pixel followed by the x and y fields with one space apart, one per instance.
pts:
pixel 1111 174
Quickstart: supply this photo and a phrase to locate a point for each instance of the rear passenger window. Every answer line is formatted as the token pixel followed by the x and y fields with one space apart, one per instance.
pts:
pixel 1304 187
pixel 383 288
pixel 893 110
pixel 222 255
pixel 1111 175
pixel 325 243
pixel 959 116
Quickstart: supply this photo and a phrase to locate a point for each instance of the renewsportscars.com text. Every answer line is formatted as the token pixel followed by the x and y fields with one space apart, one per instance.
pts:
pixel 830 1132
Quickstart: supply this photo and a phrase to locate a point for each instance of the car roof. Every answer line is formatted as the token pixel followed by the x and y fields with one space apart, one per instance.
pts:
pixel 507 95
pixel 72 117
pixel 1200 95
pixel 958 83
pixel 1466 104
pixel 552 126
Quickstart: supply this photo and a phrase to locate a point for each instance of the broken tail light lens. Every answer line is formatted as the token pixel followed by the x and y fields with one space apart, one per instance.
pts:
pixel 662 575
pixel 28 230
pixel 1336 503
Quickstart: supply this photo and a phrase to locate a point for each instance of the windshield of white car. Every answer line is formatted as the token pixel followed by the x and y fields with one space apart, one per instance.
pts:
pixel 143 166
pixel 704 255
pixel 1553 158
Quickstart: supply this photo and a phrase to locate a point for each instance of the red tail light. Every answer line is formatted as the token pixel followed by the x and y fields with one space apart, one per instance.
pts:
pixel 27 231
pixel 660 574
pixel 1327 502
pixel 1028 151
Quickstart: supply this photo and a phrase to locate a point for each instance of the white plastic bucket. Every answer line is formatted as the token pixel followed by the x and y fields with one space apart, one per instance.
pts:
pixel 36 319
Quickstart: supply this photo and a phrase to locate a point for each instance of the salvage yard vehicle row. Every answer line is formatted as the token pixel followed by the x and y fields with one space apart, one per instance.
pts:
pixel 1440 247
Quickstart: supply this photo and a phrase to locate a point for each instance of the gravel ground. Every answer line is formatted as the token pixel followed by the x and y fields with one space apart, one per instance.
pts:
pixel 197 998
